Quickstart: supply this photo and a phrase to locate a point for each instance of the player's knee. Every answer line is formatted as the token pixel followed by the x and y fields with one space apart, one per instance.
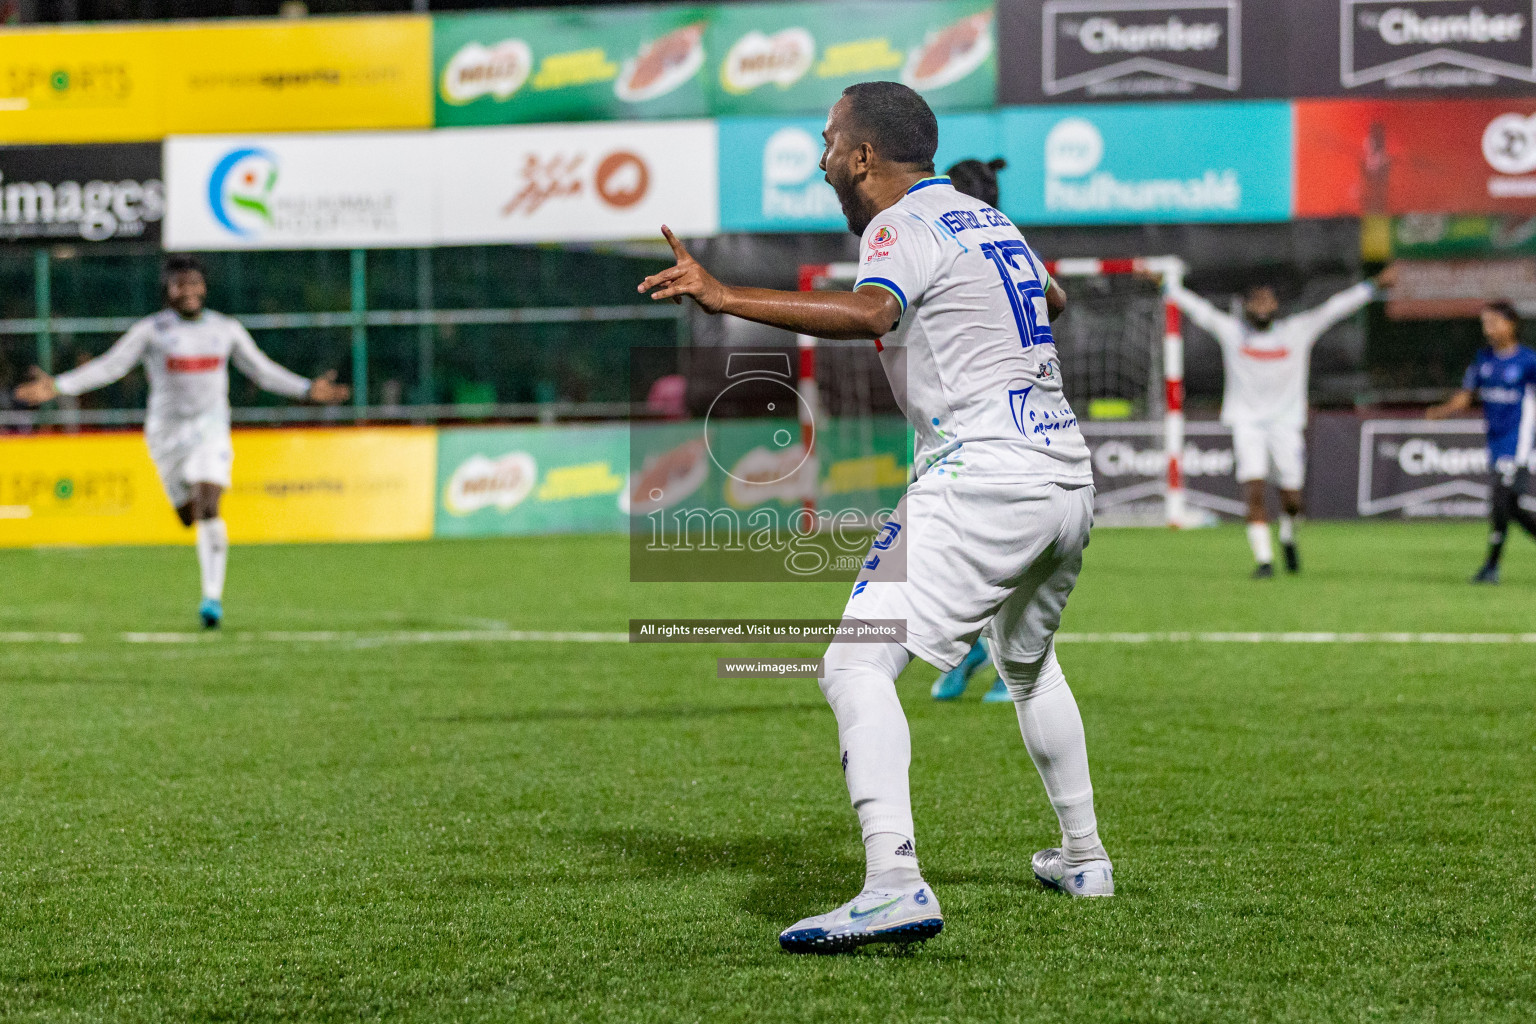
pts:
pixel 860 669
pixel 1028 679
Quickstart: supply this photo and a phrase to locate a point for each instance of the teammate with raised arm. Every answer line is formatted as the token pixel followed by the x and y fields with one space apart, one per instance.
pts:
pixel 1503 378
pixel 991 533
pixel 1265 362
pixel 186 350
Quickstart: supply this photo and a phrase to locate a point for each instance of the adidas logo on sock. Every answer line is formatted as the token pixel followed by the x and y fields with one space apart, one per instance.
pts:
pixel 905 849
pixel 845 762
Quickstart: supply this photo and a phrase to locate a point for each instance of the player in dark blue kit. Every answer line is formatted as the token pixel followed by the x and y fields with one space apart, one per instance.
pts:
pixel 1503 378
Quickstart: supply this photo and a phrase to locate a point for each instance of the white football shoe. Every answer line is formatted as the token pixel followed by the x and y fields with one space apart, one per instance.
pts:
pixel 1095 878
pixel 874 915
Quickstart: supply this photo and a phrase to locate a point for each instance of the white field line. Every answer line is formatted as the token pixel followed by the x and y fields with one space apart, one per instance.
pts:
pixel 356 638
pixel 42 638
pixel 1296 638
pixel 402 636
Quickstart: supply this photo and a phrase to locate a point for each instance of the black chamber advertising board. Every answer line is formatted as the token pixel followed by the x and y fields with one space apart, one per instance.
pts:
pixel 1412 47
pixel 1070 51
pixel 98 193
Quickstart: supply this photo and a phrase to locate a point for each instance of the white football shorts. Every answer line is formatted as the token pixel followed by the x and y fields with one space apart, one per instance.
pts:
pixel 191 452
pixel 978 556
pixel 1268 451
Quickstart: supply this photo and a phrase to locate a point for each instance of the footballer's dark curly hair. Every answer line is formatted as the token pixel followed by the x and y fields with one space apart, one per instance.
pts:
pixel 178 263
pixel 895 121
pixel 976 179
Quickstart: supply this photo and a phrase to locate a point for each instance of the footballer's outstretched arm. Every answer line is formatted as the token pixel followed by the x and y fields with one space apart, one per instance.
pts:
pixel 112 365
pixel 270 376
pixel 865 313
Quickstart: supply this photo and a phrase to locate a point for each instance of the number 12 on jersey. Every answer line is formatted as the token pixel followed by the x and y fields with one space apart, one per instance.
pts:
pixel 1025 297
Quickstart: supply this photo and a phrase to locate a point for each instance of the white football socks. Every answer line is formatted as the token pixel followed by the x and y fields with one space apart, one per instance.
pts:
pixel 212 556
pixel 1053 735
pixel 876 749
pixel 1287 525
pixel 1258 540
pixel 890 862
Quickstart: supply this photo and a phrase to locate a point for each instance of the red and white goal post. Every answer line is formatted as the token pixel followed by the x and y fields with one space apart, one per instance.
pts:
pixel 1169 269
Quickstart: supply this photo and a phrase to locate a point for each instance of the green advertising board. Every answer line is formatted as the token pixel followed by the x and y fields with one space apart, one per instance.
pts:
pixel 600 63
pixel 1462 236
pixel 796 58
pixel 861 464
pixel 531 480
pixel 618 63
pixel 576 479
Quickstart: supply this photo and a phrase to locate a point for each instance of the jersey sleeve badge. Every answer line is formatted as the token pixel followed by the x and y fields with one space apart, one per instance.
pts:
pixel 880 244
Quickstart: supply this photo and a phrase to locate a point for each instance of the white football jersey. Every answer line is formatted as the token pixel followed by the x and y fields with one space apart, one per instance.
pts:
pixel 187 363
pixel 1266 371
pixel 972 360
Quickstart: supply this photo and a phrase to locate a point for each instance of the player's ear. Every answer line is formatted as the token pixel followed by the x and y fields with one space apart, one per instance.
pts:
pixel 863 157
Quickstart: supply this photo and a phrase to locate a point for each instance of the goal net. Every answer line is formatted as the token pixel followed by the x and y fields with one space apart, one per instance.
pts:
pixel 1119 341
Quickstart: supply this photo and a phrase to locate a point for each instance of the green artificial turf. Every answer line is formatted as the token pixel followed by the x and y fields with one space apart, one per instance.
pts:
pixel 253 830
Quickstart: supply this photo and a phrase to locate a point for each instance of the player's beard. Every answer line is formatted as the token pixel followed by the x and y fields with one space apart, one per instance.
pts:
pixel 854 207
pixel 188 310
pixel 1261 323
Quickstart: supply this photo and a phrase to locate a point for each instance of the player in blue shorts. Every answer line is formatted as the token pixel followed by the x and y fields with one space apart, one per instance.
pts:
pixel 1503 378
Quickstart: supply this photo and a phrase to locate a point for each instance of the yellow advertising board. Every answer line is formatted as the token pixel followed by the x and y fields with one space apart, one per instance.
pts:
pixel 81 85
pixel 289 485
pixel 138 84
pixel 346 483
pixel 312 74
pixel 84 489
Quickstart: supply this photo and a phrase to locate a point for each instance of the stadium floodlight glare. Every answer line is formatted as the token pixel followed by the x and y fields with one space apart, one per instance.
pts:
pixel 1169 269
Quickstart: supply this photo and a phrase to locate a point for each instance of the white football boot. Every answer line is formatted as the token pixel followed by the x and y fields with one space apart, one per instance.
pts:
pixel 874 915
pixel 1095 878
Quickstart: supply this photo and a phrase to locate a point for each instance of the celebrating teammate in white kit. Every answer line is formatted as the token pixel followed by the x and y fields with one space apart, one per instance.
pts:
pixel 186 350
pixel 1265 362
pixel 992 531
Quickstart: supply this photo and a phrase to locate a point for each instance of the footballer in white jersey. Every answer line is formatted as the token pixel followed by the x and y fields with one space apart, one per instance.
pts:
pixel 990 534
pixel 186 350
pixel 1265 362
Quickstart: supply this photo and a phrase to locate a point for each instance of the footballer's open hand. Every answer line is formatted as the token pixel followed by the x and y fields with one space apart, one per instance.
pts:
pixel 686 278
pixel 37 390
pixel 324 389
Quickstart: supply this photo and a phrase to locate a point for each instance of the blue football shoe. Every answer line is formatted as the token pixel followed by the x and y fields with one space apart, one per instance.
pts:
pixel 951 685
pixel 212 612
pixel 999 693
pixel 901 916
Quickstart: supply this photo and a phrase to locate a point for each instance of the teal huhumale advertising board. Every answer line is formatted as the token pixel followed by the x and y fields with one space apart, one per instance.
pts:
pixel 1141 163
pixel 597 63
pixel 771 179
pixel 1080 164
